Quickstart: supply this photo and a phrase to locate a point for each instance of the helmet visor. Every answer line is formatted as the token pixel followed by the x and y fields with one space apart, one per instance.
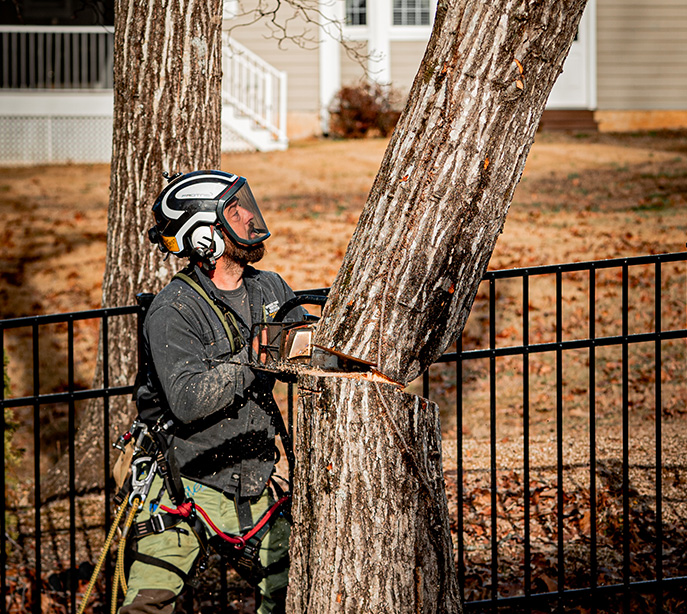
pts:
pixel 240 216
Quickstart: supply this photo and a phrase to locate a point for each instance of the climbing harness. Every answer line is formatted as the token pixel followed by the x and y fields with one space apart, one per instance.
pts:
pixel 136 490
pixel 131 495
pixel 239 542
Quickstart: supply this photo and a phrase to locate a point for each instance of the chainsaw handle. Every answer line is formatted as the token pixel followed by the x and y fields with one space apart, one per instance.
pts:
pixel 302 299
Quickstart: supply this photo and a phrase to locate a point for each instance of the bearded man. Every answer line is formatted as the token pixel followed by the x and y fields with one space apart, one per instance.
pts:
pixel 219 412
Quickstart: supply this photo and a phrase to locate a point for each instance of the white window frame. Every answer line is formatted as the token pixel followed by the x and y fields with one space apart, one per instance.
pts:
pixel 396 33
pixel 230 9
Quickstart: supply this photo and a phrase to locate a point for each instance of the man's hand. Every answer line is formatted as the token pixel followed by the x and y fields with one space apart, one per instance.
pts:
pixel 259 341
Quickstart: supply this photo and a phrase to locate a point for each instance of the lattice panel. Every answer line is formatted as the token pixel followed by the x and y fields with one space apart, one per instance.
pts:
pixel 60 140
pixel 45 140
pixel 232 142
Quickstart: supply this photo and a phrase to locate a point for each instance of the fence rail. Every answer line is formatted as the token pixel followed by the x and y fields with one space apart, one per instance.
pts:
pixel 551 361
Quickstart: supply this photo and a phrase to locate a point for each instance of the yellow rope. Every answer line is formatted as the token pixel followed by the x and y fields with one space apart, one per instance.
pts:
pixel 101 560
pixel 119 578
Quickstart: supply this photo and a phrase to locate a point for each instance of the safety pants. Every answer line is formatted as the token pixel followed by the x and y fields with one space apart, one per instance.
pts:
pixel 154 589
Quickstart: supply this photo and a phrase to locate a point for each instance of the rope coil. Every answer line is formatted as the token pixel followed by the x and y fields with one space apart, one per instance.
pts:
pixel 103 555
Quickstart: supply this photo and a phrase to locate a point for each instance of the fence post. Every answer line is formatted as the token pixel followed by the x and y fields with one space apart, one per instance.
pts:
pixel 3 528
pixel 143 300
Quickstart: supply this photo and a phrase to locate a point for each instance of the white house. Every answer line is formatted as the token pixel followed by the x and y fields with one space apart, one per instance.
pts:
pixel 627 70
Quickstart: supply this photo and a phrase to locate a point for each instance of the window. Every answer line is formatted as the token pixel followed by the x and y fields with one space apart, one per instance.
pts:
pixel 411 12
pixel 405 12
pixel 47 9
pixel 356 13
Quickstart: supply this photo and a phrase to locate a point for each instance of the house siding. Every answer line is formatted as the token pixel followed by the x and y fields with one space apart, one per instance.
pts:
pixel 352 71
pixel 301 64
pixel 405 61
pixel 641 55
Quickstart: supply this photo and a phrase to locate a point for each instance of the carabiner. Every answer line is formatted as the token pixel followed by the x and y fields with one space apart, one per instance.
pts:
pixel 143 470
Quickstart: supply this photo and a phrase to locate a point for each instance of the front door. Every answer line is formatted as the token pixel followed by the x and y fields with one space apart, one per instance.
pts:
pixel 576 85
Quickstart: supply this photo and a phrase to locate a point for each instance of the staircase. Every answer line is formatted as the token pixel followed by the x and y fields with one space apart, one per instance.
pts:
pixel 253 101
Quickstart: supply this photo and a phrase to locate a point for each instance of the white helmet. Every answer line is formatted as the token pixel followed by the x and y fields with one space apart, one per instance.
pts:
pixel 190 211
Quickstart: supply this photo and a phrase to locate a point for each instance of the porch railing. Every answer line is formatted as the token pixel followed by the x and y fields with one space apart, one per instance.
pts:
pixel 56 57
pixel 255 89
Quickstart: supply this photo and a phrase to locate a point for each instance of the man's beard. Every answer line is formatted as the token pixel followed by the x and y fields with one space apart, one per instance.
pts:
pixel 244 254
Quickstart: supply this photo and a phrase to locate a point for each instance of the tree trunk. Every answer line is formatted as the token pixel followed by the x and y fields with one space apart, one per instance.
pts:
pixel 403 293
pixel 440 199
pixel 167 106
pixel 370 503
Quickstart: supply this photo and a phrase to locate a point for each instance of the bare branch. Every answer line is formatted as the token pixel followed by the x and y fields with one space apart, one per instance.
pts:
pixel 293 20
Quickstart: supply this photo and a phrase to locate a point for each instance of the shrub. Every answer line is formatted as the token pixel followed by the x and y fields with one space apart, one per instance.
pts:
pixel 361 109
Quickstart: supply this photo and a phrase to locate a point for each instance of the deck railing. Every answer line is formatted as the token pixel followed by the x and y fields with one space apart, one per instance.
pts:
pixel 56 57
pixel 254 88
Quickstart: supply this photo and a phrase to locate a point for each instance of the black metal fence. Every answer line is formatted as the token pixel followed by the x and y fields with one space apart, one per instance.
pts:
pixel 563 408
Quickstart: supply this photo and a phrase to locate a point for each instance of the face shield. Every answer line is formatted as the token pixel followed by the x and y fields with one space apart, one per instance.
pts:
pixel 240 216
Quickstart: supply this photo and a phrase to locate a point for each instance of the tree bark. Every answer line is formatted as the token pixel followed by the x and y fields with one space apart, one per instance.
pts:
pixel 167 110
pixel 403 293
pixel 370 502
pixel 440 199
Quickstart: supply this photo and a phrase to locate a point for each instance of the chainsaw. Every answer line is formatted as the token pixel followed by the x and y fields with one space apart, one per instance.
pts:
pixel 287 348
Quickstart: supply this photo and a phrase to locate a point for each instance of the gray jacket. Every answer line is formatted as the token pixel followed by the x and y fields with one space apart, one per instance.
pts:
pixel 224 432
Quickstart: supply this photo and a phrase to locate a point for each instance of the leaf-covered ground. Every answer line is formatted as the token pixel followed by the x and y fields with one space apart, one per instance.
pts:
pixel 582 197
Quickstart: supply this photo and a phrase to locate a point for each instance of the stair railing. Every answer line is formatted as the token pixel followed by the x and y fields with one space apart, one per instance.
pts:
pixel 253 88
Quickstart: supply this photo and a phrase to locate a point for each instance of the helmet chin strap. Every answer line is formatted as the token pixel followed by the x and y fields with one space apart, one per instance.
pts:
pixel 205 258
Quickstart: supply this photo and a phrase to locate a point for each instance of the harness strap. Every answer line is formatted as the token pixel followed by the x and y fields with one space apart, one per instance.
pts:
pixel 220 314
pixel 155 524
pixel 278 422
pixel 246 561
pixel 244 515
pixel 239 542
pixel 123 493
pixel 170 474
pixel 163 522
pixel 277 567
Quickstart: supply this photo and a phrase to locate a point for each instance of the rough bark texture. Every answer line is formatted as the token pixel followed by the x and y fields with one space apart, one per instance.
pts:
pixel 167 106
pixel 440 199
pixel 402 295
pixel 370 504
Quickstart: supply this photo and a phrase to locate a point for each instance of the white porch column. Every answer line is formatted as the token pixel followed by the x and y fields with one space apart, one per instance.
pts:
pixel 330 56
pixel 379 26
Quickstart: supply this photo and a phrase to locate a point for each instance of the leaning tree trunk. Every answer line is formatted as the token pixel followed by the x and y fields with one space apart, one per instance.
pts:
pixel 367 458
pixel 167 106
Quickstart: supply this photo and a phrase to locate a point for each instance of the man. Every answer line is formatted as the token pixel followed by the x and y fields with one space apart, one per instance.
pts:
pixel 223 415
